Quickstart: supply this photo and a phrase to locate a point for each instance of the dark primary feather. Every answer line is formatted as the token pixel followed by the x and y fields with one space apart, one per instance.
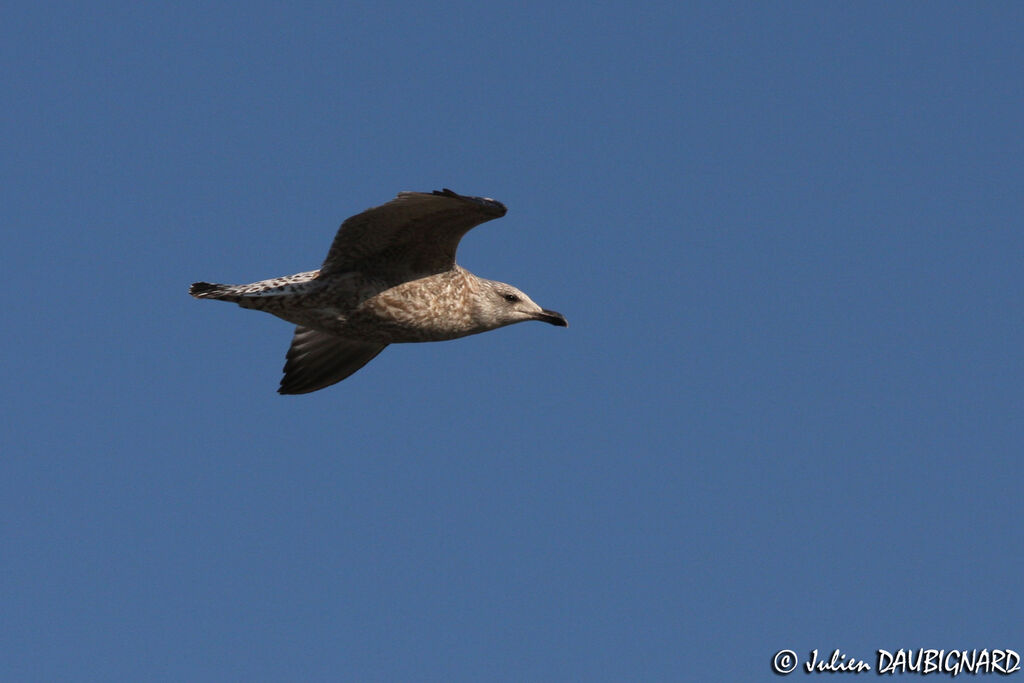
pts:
pixel 415 234
pixel 316 360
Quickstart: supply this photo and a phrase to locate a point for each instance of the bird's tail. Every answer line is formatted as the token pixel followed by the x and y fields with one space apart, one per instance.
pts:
pixel 254 294
pixel 209 290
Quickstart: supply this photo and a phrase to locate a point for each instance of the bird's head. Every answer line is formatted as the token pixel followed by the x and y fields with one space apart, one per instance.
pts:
pixel 499 304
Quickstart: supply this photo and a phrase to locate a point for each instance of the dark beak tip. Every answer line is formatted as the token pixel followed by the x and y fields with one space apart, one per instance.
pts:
pixel 554 318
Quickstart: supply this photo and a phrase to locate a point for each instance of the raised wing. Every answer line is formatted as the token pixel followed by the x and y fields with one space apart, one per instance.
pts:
pixel 414 235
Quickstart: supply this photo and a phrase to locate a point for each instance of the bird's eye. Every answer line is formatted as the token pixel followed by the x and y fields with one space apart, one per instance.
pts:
pixel 511 298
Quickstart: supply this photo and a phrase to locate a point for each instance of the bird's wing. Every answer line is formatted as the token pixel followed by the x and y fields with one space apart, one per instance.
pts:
pixel 413 235
pixel 317 360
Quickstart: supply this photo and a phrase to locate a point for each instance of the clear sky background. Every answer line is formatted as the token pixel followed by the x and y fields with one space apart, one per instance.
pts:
pixel 788 411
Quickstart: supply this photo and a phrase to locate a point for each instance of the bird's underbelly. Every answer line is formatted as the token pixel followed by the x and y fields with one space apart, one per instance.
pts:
pixel 412 313
pixel 368 326
pixel 373 321
pixel 429 309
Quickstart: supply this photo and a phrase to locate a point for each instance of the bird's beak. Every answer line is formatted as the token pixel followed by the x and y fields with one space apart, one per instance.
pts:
pixel 553 317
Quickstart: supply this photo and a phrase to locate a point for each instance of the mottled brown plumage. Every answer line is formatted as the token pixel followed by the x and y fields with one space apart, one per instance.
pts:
pixel 389 277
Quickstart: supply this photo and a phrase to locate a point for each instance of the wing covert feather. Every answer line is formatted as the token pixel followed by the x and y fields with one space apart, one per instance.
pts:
pixel 415 234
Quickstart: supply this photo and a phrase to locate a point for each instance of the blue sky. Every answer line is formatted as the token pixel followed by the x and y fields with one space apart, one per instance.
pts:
pixel 788 412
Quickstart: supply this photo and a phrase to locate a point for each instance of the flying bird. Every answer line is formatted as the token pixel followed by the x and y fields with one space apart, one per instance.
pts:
pixel 390 277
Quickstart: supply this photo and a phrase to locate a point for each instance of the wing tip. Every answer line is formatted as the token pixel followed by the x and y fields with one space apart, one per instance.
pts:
pixel 493 206
pixel 293 391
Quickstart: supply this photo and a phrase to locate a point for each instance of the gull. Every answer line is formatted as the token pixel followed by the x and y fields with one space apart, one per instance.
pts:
pixel 390 277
